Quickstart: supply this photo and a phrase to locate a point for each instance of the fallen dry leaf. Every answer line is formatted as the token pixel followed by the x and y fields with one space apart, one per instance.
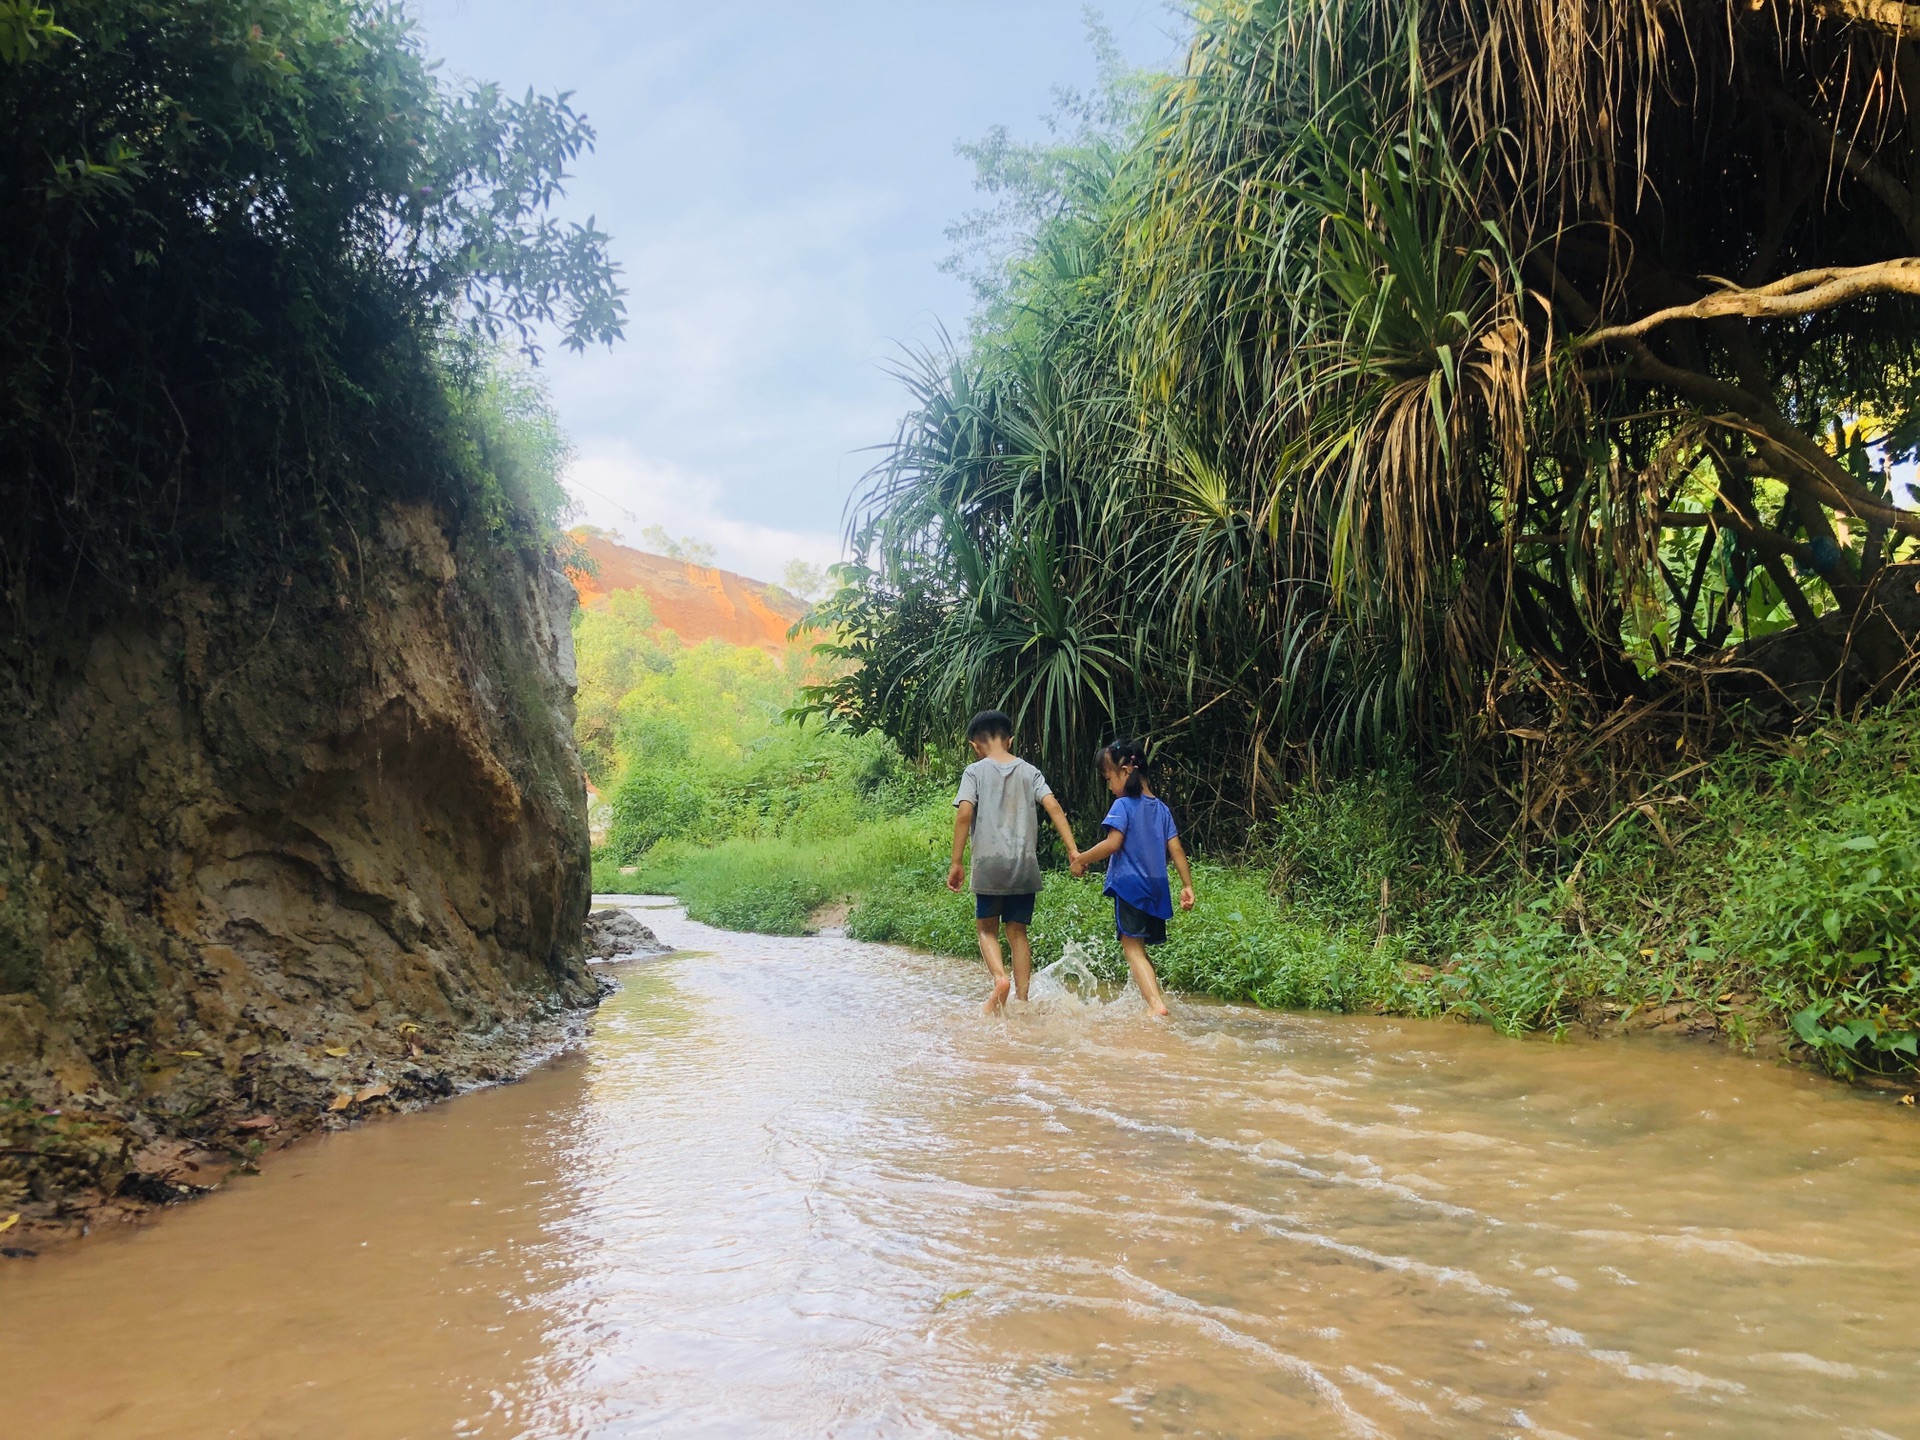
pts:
pixel 191 1054
pixel 258 1122
pixel 11 1221
pixel 1904 1100
pixel 372 1092
pixel 337 1051
pixel 341 1101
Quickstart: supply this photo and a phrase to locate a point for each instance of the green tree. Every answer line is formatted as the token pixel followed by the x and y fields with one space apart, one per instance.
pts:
pixel 256 261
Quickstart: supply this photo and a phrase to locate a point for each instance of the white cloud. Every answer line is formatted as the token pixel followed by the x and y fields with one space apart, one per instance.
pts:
pixel 776 179
pixel 619 489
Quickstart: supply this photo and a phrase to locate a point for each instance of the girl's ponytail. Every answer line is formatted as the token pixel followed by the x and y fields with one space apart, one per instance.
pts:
pixel 1131 756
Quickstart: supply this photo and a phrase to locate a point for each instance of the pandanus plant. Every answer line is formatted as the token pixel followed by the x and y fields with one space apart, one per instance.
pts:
pixel 1418 357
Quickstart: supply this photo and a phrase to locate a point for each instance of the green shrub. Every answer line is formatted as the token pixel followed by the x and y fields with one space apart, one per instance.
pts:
pixel 1328 849
pixel 1780 891
pixel 258 254
pixel 1821 877
pixel 1237 943
pixel 652 804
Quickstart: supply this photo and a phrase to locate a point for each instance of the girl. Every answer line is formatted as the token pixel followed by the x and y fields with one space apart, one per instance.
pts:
pixel 1140 840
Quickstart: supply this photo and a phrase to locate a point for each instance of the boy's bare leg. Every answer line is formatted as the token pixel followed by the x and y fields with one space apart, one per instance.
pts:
pixel 989 932
pixel 1143 976
pixel 1022 956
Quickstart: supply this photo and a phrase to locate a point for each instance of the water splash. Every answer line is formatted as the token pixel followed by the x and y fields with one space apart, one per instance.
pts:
pixel 1071 984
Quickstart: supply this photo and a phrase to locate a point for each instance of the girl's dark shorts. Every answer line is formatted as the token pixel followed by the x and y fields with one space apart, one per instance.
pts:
pixel 1136 924
pixel 1008 909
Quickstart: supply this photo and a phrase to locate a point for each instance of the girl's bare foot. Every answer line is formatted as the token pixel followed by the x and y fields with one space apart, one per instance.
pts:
pixel 998 999
pixel 1160 1011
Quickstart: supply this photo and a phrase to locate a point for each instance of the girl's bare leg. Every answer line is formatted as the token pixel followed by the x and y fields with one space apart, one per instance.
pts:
pixel 1022 956
pixel 989 932
pixel 1143 976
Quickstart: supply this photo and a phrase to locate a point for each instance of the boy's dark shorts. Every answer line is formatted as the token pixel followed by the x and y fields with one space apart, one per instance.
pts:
pixel 1009 909
pixel 1136 924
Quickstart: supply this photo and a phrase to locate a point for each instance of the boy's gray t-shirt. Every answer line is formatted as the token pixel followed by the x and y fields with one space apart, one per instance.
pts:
pixel 1006 824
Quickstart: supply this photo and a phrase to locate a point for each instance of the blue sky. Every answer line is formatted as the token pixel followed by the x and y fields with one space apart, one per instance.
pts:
pixel 776 178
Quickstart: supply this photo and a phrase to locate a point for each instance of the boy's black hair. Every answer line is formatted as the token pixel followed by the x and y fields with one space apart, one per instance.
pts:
pixel 990 724
pixel 1129 755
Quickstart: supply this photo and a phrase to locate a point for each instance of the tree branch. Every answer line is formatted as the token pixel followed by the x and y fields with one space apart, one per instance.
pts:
pixel 1743 518
pixel 1701 559
pixel 1806 293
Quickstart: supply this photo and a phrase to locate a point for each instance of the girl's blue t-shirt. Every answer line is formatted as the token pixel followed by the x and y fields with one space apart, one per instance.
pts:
pixel 1138 872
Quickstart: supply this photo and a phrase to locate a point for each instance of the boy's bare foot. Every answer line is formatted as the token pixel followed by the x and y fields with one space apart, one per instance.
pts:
pixel 1160 1012
pixel 998 999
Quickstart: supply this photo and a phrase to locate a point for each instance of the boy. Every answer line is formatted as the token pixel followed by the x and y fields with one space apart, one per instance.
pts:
pixel 995 806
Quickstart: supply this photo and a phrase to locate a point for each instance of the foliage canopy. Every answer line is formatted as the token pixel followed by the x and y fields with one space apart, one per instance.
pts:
pixel 255 262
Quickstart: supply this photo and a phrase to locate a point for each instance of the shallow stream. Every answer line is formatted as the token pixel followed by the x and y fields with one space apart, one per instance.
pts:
pixel 802 1188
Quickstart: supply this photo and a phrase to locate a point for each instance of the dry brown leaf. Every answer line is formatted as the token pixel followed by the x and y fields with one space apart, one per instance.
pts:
pixel 337 1051
pixel 257 1122
pixel 11 1221
pixel 341 1101
pixel 372 1092
pixel 191 1054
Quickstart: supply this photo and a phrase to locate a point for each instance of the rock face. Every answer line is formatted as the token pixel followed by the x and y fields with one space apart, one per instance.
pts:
pixel 261 854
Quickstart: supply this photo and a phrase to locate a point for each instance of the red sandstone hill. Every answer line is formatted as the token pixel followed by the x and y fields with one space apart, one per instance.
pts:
pixel 696 602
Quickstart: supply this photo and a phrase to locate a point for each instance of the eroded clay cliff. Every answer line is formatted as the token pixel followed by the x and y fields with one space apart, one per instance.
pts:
pixel 695 602
pixel 278 851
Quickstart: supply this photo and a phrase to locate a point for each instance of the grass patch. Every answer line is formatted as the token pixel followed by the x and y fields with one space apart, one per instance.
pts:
pixel 771 885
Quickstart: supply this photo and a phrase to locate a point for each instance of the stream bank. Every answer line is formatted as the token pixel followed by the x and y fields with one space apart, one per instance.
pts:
pixel 1762 897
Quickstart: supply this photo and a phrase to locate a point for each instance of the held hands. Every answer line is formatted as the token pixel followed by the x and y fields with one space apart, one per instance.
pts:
pixel 1186 897
pixel 1076 864
pixel 955 876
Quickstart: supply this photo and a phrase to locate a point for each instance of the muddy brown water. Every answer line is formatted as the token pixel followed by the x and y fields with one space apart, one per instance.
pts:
pixel 801 1188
